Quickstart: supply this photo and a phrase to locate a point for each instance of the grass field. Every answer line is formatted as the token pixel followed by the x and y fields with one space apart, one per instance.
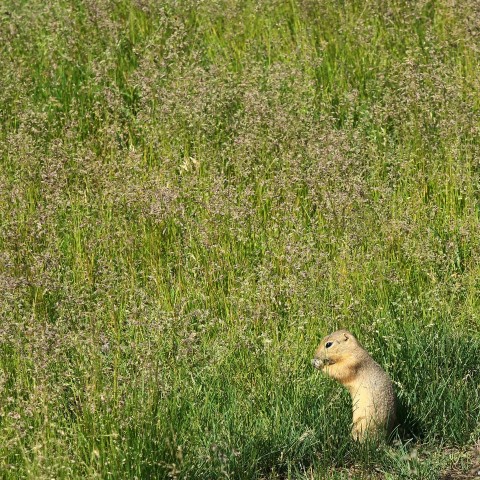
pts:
pixel 193 193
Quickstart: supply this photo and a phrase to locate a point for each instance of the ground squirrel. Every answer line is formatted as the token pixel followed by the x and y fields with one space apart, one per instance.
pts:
pixel 341 356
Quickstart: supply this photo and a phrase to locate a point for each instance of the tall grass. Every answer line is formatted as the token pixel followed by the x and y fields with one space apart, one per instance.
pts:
pixel 193 193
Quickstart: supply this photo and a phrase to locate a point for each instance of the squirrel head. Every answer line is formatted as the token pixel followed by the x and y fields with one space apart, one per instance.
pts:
pixel 334 348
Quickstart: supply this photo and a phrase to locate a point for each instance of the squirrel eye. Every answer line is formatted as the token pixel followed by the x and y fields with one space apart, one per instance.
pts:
pixel 328 344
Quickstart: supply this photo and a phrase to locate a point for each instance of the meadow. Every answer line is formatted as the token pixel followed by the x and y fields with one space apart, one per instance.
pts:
pixel 194 192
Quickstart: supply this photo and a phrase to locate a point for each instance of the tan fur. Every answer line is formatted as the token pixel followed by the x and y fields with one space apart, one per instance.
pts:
pixel 373 398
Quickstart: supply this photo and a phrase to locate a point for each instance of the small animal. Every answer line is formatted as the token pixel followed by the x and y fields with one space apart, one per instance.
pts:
pixel 341 356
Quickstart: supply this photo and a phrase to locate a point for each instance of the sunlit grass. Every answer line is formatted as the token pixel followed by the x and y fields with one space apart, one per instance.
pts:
pixel 192 194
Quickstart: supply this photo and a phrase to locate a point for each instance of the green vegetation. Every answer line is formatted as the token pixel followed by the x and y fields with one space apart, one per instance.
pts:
pixel 193 193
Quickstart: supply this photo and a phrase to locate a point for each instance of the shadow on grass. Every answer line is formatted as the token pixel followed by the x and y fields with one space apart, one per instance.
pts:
pixel 409 427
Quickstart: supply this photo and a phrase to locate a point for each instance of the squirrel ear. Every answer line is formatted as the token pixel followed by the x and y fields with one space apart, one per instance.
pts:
pixel 346 336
